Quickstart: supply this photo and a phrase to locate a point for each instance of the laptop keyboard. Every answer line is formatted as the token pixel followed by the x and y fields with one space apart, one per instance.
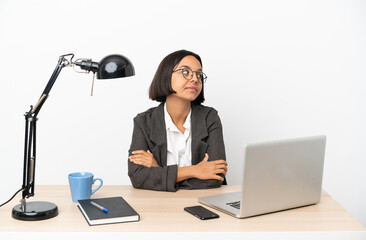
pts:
pixel 234 204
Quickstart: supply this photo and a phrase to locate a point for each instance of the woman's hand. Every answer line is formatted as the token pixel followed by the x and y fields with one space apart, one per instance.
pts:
pixel 209 170
pixel 143 158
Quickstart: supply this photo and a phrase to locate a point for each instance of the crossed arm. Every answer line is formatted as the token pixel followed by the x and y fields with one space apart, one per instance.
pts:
pixel 204 170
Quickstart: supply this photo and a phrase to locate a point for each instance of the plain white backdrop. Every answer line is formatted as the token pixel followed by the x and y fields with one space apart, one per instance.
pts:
pixel 276 69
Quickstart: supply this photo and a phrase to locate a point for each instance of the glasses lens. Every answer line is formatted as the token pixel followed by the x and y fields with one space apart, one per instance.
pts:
pixel 187 73
pixel 199 76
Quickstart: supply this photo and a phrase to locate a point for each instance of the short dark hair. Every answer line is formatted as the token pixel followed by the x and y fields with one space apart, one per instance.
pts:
pixel 161 85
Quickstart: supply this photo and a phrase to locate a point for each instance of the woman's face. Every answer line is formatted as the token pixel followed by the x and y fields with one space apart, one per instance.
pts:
pixel 186 89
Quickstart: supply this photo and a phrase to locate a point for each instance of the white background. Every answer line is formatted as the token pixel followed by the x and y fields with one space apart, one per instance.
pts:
pixel 277 69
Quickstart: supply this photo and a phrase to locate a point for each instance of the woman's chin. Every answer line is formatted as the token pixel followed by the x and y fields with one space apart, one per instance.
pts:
pixel 186 97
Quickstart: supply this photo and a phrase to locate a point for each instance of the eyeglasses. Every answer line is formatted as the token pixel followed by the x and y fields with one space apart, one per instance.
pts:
pixel 188 74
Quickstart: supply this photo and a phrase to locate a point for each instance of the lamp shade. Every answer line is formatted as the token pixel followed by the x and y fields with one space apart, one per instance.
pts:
pixel 115 66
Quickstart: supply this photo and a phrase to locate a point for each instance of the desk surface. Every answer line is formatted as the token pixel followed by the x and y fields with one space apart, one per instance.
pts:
pixel 163 212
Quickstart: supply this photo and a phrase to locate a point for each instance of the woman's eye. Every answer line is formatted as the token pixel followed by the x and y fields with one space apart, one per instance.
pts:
pixel 185 72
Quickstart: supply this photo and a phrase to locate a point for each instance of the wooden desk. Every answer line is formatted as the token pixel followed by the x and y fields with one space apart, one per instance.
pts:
pixel 163 212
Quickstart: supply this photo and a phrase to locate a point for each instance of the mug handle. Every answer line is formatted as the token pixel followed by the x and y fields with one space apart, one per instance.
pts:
pixel 101 183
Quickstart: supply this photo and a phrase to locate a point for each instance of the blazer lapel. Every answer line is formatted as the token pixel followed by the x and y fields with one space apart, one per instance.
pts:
pixel 199 133
pixel 158 134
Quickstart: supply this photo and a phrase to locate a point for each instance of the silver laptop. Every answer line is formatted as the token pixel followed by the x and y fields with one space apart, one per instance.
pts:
pixel 277 175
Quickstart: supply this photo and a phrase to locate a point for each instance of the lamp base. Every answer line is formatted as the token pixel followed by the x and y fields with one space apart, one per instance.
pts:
pixel 35 211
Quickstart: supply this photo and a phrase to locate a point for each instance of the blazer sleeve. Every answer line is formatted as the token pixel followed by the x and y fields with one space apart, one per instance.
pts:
pixel 215 150
pixel 153 178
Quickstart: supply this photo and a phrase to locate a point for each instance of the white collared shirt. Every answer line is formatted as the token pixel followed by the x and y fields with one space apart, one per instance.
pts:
pixel 178 144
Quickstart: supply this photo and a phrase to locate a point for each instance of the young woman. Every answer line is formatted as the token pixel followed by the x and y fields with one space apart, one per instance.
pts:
pixel 178 144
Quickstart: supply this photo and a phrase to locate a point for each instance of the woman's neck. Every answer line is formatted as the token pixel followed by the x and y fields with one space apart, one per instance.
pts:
pixel 178 110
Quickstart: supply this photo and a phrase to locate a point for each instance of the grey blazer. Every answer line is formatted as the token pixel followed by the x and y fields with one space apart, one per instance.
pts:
pixel 149 133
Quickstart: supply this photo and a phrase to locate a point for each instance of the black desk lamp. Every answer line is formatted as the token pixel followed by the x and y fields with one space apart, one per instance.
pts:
pixel 112 66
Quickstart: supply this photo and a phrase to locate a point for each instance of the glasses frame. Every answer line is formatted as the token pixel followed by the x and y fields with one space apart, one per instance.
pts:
pixel 204 76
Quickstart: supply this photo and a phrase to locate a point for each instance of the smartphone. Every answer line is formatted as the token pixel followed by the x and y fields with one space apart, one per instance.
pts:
pixel 201 212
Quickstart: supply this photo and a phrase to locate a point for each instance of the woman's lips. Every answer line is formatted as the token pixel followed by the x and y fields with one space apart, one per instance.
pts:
pixel 191 89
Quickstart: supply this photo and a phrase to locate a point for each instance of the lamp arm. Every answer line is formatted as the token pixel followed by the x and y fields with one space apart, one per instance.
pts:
pixel 30 132
pixel 62 62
